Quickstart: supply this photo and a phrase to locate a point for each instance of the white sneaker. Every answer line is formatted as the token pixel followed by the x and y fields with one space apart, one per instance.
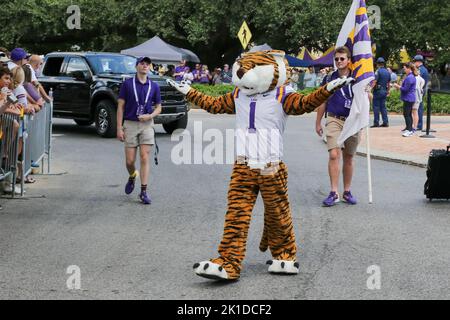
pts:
pixel 8 189
pixel 407 133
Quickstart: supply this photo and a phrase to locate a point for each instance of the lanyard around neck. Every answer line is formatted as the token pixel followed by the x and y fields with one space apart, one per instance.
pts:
pixel 136 95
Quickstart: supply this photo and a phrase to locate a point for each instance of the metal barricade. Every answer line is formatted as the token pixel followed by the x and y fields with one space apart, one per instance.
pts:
pixel 9 146
pixel 48 133
pixel 37 132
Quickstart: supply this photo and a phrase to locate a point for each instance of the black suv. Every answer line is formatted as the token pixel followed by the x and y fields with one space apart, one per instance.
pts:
pixel 86 88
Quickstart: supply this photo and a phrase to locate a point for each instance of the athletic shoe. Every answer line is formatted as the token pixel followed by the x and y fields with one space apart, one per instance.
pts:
pixel 349 198
pixel 129 187
pixel 145 198
pixel 385 125
pixel 331 200
pixel 407 133
pixel 375 126
pixel 9 190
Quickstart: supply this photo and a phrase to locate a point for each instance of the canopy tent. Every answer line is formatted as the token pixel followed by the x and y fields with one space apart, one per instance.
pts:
pixel 161 52
pixel 326 60
pixel 295 62
pixel 305 55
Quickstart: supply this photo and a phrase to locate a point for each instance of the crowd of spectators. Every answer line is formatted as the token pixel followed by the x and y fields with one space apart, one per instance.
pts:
pixel 413 78
pixel 21 94
pixel 412 82
pixel 199 74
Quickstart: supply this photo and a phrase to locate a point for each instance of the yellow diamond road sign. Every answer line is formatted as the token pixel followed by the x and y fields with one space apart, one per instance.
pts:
pixel 244 35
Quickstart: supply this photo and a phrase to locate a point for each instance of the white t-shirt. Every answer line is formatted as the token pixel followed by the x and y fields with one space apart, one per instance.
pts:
pixel 420 84
pixel 188 77
pixel 33 73
pixel 21 95
pixel 11 65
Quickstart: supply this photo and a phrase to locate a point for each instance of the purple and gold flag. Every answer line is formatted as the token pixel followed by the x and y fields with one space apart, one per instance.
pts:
pixel 355 35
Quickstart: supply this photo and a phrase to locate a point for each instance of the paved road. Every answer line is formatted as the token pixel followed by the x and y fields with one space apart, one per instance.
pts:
pixel 129 251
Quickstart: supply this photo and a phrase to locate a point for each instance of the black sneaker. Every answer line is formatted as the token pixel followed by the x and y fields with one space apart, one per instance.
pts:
pixel 375 126
pixel 385 125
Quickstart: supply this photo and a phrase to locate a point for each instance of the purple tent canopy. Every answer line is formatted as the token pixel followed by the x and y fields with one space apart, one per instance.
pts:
pixel 307 56
pixel 326 60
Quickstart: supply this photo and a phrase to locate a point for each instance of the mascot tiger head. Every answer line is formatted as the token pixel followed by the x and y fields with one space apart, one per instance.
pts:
pixel 259 72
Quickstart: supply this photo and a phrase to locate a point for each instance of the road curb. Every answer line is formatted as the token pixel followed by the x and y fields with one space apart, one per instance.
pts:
pixel 389 159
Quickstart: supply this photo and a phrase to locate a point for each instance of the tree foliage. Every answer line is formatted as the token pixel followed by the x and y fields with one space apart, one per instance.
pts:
pixel 209 28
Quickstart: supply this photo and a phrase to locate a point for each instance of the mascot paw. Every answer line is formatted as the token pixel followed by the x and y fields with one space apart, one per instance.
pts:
pixel 339 83
pixel 182 87
pixel 283 267
pixel 207 269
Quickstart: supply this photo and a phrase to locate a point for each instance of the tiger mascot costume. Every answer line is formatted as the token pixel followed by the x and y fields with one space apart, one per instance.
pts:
pixel 261 102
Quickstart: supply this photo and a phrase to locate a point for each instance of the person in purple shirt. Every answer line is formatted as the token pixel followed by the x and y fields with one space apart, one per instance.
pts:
pixel 205 76
pixel 180 70
pixel 139 102
pixel 338 109
pixel 197 73
pixel 408 96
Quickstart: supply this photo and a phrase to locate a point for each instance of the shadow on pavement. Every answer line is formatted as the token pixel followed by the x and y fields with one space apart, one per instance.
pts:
pixel 74 129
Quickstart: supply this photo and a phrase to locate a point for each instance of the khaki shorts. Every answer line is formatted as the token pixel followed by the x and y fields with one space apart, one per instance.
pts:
pixel 138 133
pixel 416 106
pixel 334 129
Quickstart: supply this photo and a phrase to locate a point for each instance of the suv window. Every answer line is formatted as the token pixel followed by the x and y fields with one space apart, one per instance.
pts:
pixel 112 64
pixel 53 66
pixel 77 64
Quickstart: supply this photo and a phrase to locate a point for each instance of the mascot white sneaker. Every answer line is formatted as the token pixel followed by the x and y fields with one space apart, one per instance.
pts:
pixel 262 102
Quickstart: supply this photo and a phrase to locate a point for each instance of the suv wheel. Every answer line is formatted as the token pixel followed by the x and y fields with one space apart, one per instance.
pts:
pixel 177 124
pixel 105 119
pixel 83 123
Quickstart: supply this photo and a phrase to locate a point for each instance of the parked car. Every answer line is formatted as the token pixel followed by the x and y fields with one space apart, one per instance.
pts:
pixel 86 87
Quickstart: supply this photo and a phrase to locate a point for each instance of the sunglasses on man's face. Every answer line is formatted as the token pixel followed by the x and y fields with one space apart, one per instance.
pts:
pixel 339 59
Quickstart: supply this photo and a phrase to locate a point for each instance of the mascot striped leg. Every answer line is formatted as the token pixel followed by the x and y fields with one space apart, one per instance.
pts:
pixel 278 235
pixel 242 194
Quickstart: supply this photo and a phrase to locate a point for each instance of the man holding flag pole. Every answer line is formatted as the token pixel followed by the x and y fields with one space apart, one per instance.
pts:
pixel 348 108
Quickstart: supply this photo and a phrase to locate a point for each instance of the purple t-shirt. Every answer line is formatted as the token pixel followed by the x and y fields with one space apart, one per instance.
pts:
pixel 178 70
pixel 196 73
pixel 131 105
pixel 408 89
pixel 204 77
pixel 340 102
pixel 31 90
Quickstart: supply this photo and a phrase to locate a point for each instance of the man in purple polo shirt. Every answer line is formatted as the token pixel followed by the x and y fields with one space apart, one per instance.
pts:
pixel 139 102
pixel 338 109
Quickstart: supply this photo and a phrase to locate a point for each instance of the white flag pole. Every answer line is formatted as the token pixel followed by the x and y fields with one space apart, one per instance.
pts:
pixel 369 165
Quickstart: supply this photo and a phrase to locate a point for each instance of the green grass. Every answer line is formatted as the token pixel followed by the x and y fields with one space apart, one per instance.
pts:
pixel 440 102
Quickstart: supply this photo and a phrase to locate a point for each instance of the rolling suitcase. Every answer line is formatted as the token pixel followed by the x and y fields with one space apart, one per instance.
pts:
pixel 437 185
